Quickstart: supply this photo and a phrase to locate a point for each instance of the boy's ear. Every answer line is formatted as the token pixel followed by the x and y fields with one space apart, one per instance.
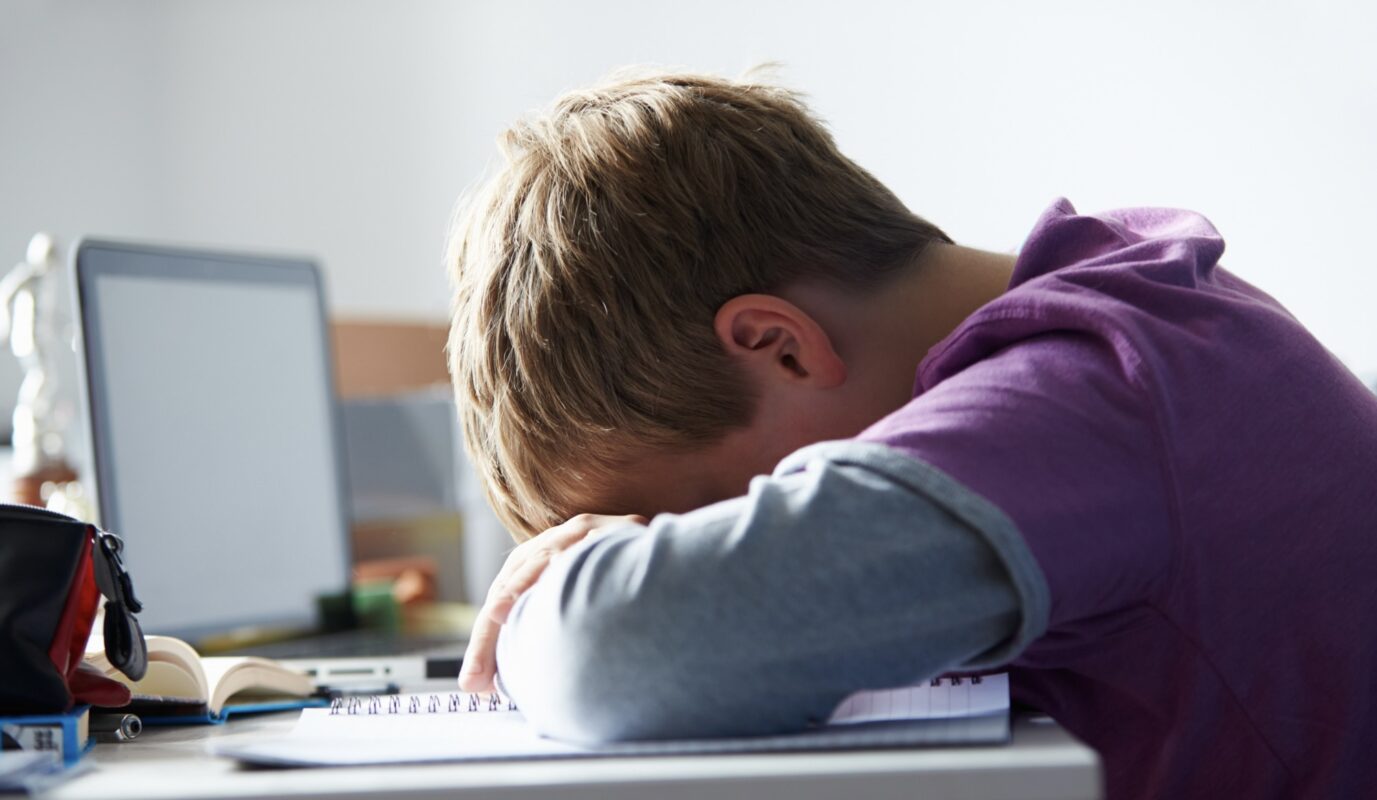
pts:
pixel 776 340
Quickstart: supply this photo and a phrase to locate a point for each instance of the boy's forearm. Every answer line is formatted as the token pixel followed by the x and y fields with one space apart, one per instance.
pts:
pixel 760 614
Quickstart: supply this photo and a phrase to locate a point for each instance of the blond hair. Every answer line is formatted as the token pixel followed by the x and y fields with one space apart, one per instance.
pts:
pixel 588 271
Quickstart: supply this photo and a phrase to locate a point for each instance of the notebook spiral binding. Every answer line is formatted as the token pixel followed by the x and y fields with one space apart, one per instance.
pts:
pixel 453 703
pixel 956 680
pixel 464 702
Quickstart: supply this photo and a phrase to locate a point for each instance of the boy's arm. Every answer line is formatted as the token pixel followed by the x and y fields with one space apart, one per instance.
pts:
pixel 852 567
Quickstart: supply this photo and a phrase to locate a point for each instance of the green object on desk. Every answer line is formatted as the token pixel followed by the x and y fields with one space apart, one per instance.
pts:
pixel 376 607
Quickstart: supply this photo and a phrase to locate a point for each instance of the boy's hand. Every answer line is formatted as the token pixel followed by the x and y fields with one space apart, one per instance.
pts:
pixel 523 567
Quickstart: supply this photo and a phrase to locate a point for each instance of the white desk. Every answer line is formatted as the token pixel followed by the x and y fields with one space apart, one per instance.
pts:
pixel 1042 762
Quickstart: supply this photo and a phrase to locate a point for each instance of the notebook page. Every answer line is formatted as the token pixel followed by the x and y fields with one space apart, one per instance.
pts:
pixel 938 698
pixel 425 727
pixel 467 727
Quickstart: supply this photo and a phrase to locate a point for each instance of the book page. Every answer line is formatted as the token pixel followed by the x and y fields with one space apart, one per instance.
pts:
pixel 167 682
pixel 235 677
pixel 174 669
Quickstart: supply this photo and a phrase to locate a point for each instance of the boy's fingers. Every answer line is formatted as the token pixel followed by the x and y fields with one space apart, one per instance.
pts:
pixel 480 658
pixel 520 571
pixel 476 674
pixel 526 563
pixel 479 667
pixel 480 661
pixel 567 533
pixel 500 607
pixel 576 528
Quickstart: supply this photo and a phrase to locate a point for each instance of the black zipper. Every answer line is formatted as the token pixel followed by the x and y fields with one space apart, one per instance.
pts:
pixel 37 512
pixel 108 545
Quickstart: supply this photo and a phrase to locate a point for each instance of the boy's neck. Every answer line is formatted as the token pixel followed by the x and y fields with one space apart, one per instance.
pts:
pixel 949 284
pixel 883 334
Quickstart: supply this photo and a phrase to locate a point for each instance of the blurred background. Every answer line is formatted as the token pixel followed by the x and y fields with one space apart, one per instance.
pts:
pixel 346 130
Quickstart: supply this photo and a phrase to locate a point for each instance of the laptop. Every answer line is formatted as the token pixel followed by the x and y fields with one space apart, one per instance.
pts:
pixel 217 454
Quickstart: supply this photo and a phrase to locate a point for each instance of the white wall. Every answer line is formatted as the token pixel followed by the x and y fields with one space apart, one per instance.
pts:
pixel 1263 116
pixel 346 129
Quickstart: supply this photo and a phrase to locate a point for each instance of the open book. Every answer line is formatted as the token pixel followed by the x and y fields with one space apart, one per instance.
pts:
pixel 468 727
pixel 182 687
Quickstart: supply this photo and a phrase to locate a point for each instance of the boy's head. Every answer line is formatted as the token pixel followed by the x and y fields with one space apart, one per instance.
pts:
pixel 589 341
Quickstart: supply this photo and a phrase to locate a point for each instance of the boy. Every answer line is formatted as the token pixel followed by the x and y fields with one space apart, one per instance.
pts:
pixel 1108 465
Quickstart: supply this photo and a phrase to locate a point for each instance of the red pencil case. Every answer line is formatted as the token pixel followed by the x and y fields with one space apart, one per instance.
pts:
pixel 54 570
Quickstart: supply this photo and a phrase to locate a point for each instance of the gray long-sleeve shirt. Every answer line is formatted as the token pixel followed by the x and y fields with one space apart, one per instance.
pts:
pixel 852 567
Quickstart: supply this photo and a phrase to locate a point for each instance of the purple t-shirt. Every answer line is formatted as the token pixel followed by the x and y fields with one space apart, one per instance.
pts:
pixel 1197 477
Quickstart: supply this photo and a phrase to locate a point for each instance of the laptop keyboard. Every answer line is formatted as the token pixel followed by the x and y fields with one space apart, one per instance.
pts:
pixel 355 644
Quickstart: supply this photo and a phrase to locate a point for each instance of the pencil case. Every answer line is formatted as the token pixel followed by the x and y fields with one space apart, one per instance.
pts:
pixel 54 570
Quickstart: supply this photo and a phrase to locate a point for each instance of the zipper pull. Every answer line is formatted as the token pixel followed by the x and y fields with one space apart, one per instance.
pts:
pixel 117 584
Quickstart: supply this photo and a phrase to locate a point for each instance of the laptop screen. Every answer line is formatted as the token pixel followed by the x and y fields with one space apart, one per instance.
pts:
pixel 214 434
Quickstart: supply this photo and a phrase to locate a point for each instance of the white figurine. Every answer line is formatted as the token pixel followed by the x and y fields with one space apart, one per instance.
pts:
pixel 28 321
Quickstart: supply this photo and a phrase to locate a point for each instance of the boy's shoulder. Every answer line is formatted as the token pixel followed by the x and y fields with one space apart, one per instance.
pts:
pixel 1118 277
pixel 1188 466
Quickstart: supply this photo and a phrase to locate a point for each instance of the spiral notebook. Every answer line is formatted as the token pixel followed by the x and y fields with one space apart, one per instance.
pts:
pixel 419 728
